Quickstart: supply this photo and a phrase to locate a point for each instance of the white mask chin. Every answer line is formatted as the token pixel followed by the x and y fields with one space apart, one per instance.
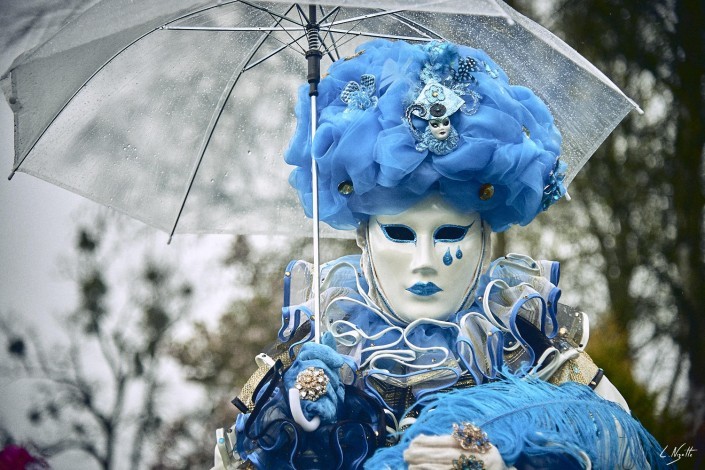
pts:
pixel 427 259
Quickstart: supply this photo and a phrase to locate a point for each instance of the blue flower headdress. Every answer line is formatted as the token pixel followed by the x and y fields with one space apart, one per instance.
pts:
pixel 399 122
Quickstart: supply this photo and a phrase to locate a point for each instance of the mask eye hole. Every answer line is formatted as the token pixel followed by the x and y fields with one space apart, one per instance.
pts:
pixel 398 233
pixel 450 233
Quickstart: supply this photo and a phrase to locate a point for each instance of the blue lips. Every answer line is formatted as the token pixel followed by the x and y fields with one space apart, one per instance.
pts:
pixel 424 289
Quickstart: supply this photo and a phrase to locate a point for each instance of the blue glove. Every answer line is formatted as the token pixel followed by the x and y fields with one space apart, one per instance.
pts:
pixel 326 358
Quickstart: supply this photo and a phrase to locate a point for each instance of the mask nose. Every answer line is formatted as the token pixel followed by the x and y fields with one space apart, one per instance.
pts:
pixel 424 261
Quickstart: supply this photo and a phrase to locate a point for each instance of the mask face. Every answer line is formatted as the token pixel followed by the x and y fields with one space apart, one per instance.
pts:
pixel 425 259
pixel 440 128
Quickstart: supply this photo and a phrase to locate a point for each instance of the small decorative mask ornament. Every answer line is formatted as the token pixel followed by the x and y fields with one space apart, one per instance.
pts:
pixel 447 81
pixel 440 128
pixel 435 104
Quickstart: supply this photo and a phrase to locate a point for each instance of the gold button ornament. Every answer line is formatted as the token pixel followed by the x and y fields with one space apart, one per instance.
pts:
pixel 486 191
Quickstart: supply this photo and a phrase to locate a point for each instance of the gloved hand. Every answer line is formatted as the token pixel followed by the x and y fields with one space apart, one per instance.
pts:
pixel 442 452
pixel 325 358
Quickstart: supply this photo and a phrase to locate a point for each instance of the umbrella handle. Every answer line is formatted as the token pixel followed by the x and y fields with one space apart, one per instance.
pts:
pixel 298 414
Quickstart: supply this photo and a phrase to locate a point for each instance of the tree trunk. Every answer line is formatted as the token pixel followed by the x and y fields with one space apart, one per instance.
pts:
pixel 688 189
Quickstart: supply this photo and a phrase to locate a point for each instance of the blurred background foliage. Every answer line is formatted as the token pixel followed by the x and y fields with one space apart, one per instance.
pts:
pixel 99 392
pixel 630 243
pixel 638 206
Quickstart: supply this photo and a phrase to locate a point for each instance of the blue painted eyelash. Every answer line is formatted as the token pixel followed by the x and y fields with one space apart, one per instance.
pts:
pixel 456 239
pixel 386 228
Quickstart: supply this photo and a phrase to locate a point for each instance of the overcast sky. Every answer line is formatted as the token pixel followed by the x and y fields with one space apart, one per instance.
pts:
pixel 34 216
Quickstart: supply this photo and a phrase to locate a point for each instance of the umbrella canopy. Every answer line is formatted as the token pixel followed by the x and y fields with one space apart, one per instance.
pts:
pixel 177 112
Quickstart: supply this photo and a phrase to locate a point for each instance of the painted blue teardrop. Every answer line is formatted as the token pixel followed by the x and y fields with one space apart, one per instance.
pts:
pixel 447 258
pixel 458 253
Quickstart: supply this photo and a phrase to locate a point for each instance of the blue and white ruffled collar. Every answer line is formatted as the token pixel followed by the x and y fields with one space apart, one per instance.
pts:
pixel 427 355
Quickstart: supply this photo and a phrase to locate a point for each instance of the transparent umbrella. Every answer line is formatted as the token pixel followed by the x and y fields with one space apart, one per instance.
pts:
pixel 177 112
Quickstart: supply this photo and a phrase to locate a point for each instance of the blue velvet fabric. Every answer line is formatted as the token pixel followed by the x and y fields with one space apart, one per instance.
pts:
pixel 269 438
pixel 509 141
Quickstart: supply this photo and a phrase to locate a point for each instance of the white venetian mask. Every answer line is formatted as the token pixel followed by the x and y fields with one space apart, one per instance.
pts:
pixel 426 260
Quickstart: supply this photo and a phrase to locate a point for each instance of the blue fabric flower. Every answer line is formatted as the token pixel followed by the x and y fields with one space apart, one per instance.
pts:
pixel 360 95
pixel 435 94
pixel 510 142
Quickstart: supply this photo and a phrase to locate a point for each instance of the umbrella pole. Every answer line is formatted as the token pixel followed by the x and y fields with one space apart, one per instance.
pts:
pixel 313 56
pixel 316 236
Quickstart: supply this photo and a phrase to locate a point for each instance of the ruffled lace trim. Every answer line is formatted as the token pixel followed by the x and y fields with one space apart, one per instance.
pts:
pixel 429 355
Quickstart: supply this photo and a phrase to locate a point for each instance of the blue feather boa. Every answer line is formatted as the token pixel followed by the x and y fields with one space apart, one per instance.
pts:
pixel 535 424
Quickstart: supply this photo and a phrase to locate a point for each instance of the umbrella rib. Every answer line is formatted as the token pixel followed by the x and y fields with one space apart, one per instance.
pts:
pixel 127 46
pixel 304 21
pixel 424 36
pixel 345 33
pixel 349 32
pixel 263 29
pixel 272 54
pixel 325 49
pixel 222 101
pixel 244 29
pixel 379 35
pixel 273 13
pixel 302 15
pixel 284 44
pixel 418 27
pixel 257 7
pixel 289 45
pixel 328 26
pixel 303 51
pixel 58 113
pixel 363 17
pixel 201 10
pixel 329 33
pixel 334 11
